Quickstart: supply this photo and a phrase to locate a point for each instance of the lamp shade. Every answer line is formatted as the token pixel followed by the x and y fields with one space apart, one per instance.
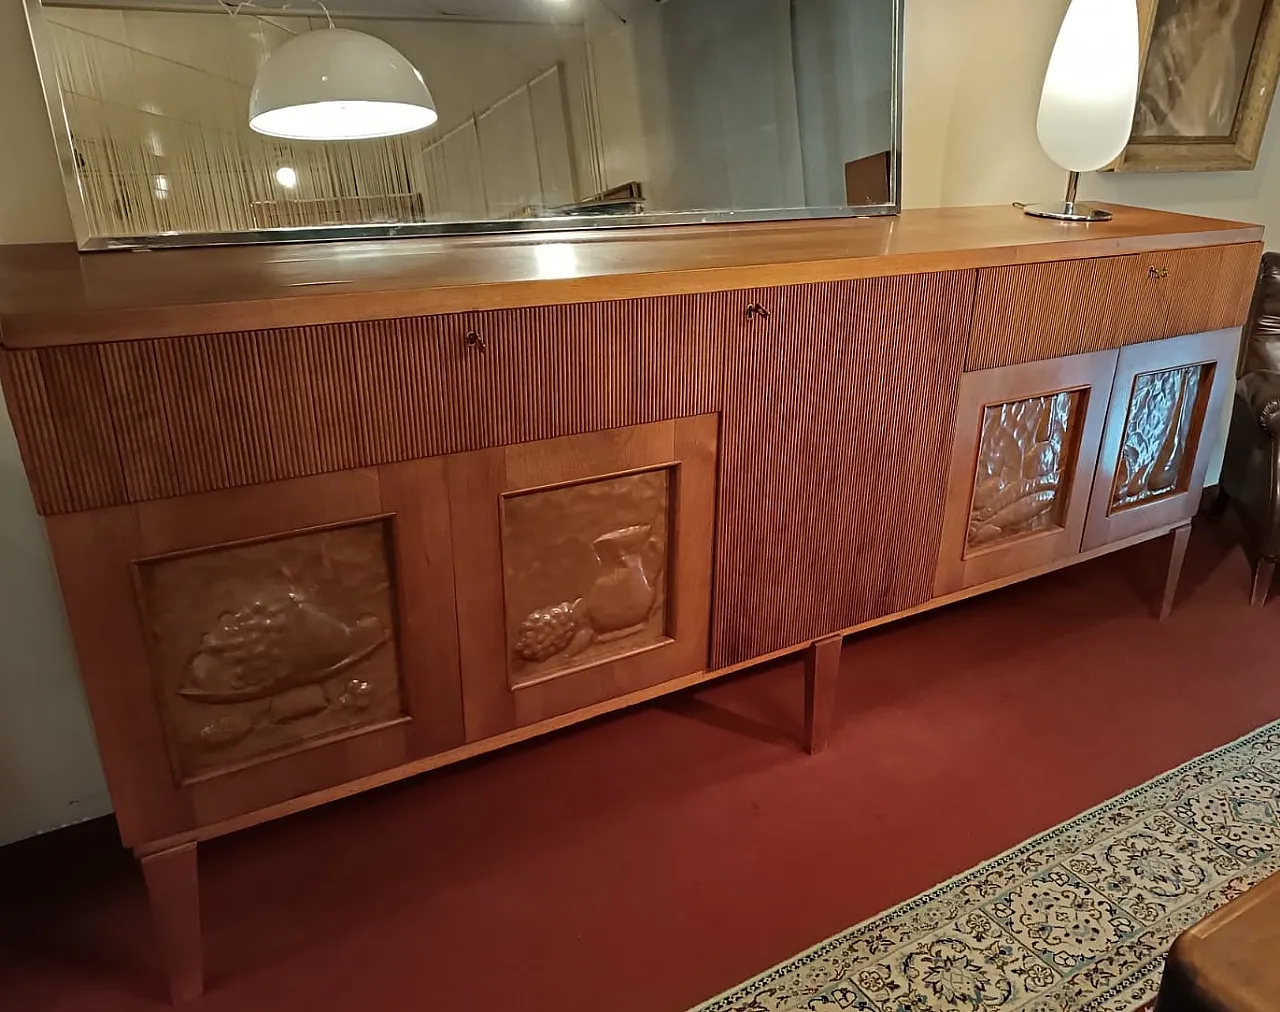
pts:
pixel 334 84
pixel 1091 86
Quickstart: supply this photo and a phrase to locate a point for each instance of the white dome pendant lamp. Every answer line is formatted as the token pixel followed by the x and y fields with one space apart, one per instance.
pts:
pixel 338 85
pixel 1090 91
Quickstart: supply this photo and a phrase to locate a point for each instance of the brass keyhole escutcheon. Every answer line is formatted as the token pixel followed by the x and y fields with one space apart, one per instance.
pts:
pixel 474 340
pixel 756 310
pixel 1157 273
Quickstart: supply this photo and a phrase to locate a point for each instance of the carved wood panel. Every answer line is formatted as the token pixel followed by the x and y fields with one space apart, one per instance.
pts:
pixel 1029 312
pixel 585 572
pixel 259 646
pixel 1154 454
pixel 583 568
pixel 1167 403
pixel 839 412
pixel 1026 447
pixel 101 425
pixel 1024 462
pixel 143 585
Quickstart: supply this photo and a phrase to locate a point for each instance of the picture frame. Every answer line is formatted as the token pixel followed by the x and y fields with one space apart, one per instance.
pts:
pixel 1205 112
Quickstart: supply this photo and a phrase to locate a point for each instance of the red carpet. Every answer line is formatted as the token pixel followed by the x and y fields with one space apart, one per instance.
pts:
pixel 648 861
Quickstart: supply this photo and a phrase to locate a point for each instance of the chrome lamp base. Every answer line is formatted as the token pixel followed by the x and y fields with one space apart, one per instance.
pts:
pixel 1068 209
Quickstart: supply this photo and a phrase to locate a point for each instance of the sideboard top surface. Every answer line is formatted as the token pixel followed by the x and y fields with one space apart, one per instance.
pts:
pixel 52 295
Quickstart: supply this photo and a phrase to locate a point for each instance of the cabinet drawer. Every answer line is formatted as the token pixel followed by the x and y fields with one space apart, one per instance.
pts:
pixel 1191 291
pixel 1038 311
pixel 105 425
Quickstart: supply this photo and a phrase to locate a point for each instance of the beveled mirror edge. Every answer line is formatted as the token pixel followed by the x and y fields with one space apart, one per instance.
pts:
pixel 86 241
pixel 47 70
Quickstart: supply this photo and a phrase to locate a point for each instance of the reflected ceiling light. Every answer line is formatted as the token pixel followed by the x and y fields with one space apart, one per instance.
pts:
pixel 338 85
pixel 555 260
pixel 286 177
pixel 1090 91
pixel 160 187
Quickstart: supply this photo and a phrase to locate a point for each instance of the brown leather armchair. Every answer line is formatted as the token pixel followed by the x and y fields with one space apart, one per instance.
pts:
pixel 1251 468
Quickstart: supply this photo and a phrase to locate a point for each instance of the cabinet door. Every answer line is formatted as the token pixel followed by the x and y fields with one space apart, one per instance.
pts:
pixel 1025 450
pixel 583 568
pixel 1166 411
pixel 240 648
pixel 839 413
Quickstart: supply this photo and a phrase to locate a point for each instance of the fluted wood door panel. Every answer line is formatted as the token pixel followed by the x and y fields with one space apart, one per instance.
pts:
pixel 838 419
pixel 1030 312
pixel 103 425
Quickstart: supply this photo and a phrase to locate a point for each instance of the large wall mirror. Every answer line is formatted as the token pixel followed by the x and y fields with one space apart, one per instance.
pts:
pixel 551 114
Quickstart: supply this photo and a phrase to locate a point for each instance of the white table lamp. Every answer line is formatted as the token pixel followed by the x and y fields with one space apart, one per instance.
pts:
pixel 1090 90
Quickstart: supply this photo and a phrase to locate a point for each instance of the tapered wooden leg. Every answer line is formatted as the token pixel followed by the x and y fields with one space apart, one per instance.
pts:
pixel 821 673
pixel 1177 553
pixel 1263 571
pixel 173 890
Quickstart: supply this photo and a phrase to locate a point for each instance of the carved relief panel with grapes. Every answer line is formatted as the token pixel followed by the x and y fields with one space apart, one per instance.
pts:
pixel 262 645
pixel 583 568
pixel 585 572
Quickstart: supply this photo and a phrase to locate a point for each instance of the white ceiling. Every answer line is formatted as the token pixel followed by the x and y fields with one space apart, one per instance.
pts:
pixel 481 10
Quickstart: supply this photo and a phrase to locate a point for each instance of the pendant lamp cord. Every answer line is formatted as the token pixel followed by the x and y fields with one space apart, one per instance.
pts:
pixel 233 8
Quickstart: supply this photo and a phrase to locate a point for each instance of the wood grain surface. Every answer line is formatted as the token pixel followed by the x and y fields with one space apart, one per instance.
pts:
pixel 50 294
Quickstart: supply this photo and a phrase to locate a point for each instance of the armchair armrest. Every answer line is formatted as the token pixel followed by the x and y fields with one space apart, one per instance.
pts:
pixel 1261 391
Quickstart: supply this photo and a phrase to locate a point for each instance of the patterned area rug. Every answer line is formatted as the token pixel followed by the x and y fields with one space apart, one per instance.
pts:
pixel 1077 919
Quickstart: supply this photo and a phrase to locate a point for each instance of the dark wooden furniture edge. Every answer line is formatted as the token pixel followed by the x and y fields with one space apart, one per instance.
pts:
pixel 470 750
pixel 52 295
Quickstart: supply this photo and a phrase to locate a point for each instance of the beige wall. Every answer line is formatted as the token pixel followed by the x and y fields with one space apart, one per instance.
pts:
pixel 972 85
pixel 49 772
pixel 973 70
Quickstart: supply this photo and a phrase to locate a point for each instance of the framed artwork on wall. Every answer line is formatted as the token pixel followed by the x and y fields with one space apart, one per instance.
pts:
pixel 1209 69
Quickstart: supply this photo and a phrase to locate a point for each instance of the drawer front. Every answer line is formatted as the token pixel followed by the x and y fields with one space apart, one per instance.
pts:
pixel 105 425
pixel 1039 311
pixel 1192 291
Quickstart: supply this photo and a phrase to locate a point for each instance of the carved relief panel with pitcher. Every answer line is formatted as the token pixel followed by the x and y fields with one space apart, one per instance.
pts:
pixel 583 567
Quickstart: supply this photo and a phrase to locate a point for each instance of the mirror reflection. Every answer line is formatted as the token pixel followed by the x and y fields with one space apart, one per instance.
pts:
pixel 546 112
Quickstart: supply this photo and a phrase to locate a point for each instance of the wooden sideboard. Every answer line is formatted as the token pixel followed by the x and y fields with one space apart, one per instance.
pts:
pixel 328 516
